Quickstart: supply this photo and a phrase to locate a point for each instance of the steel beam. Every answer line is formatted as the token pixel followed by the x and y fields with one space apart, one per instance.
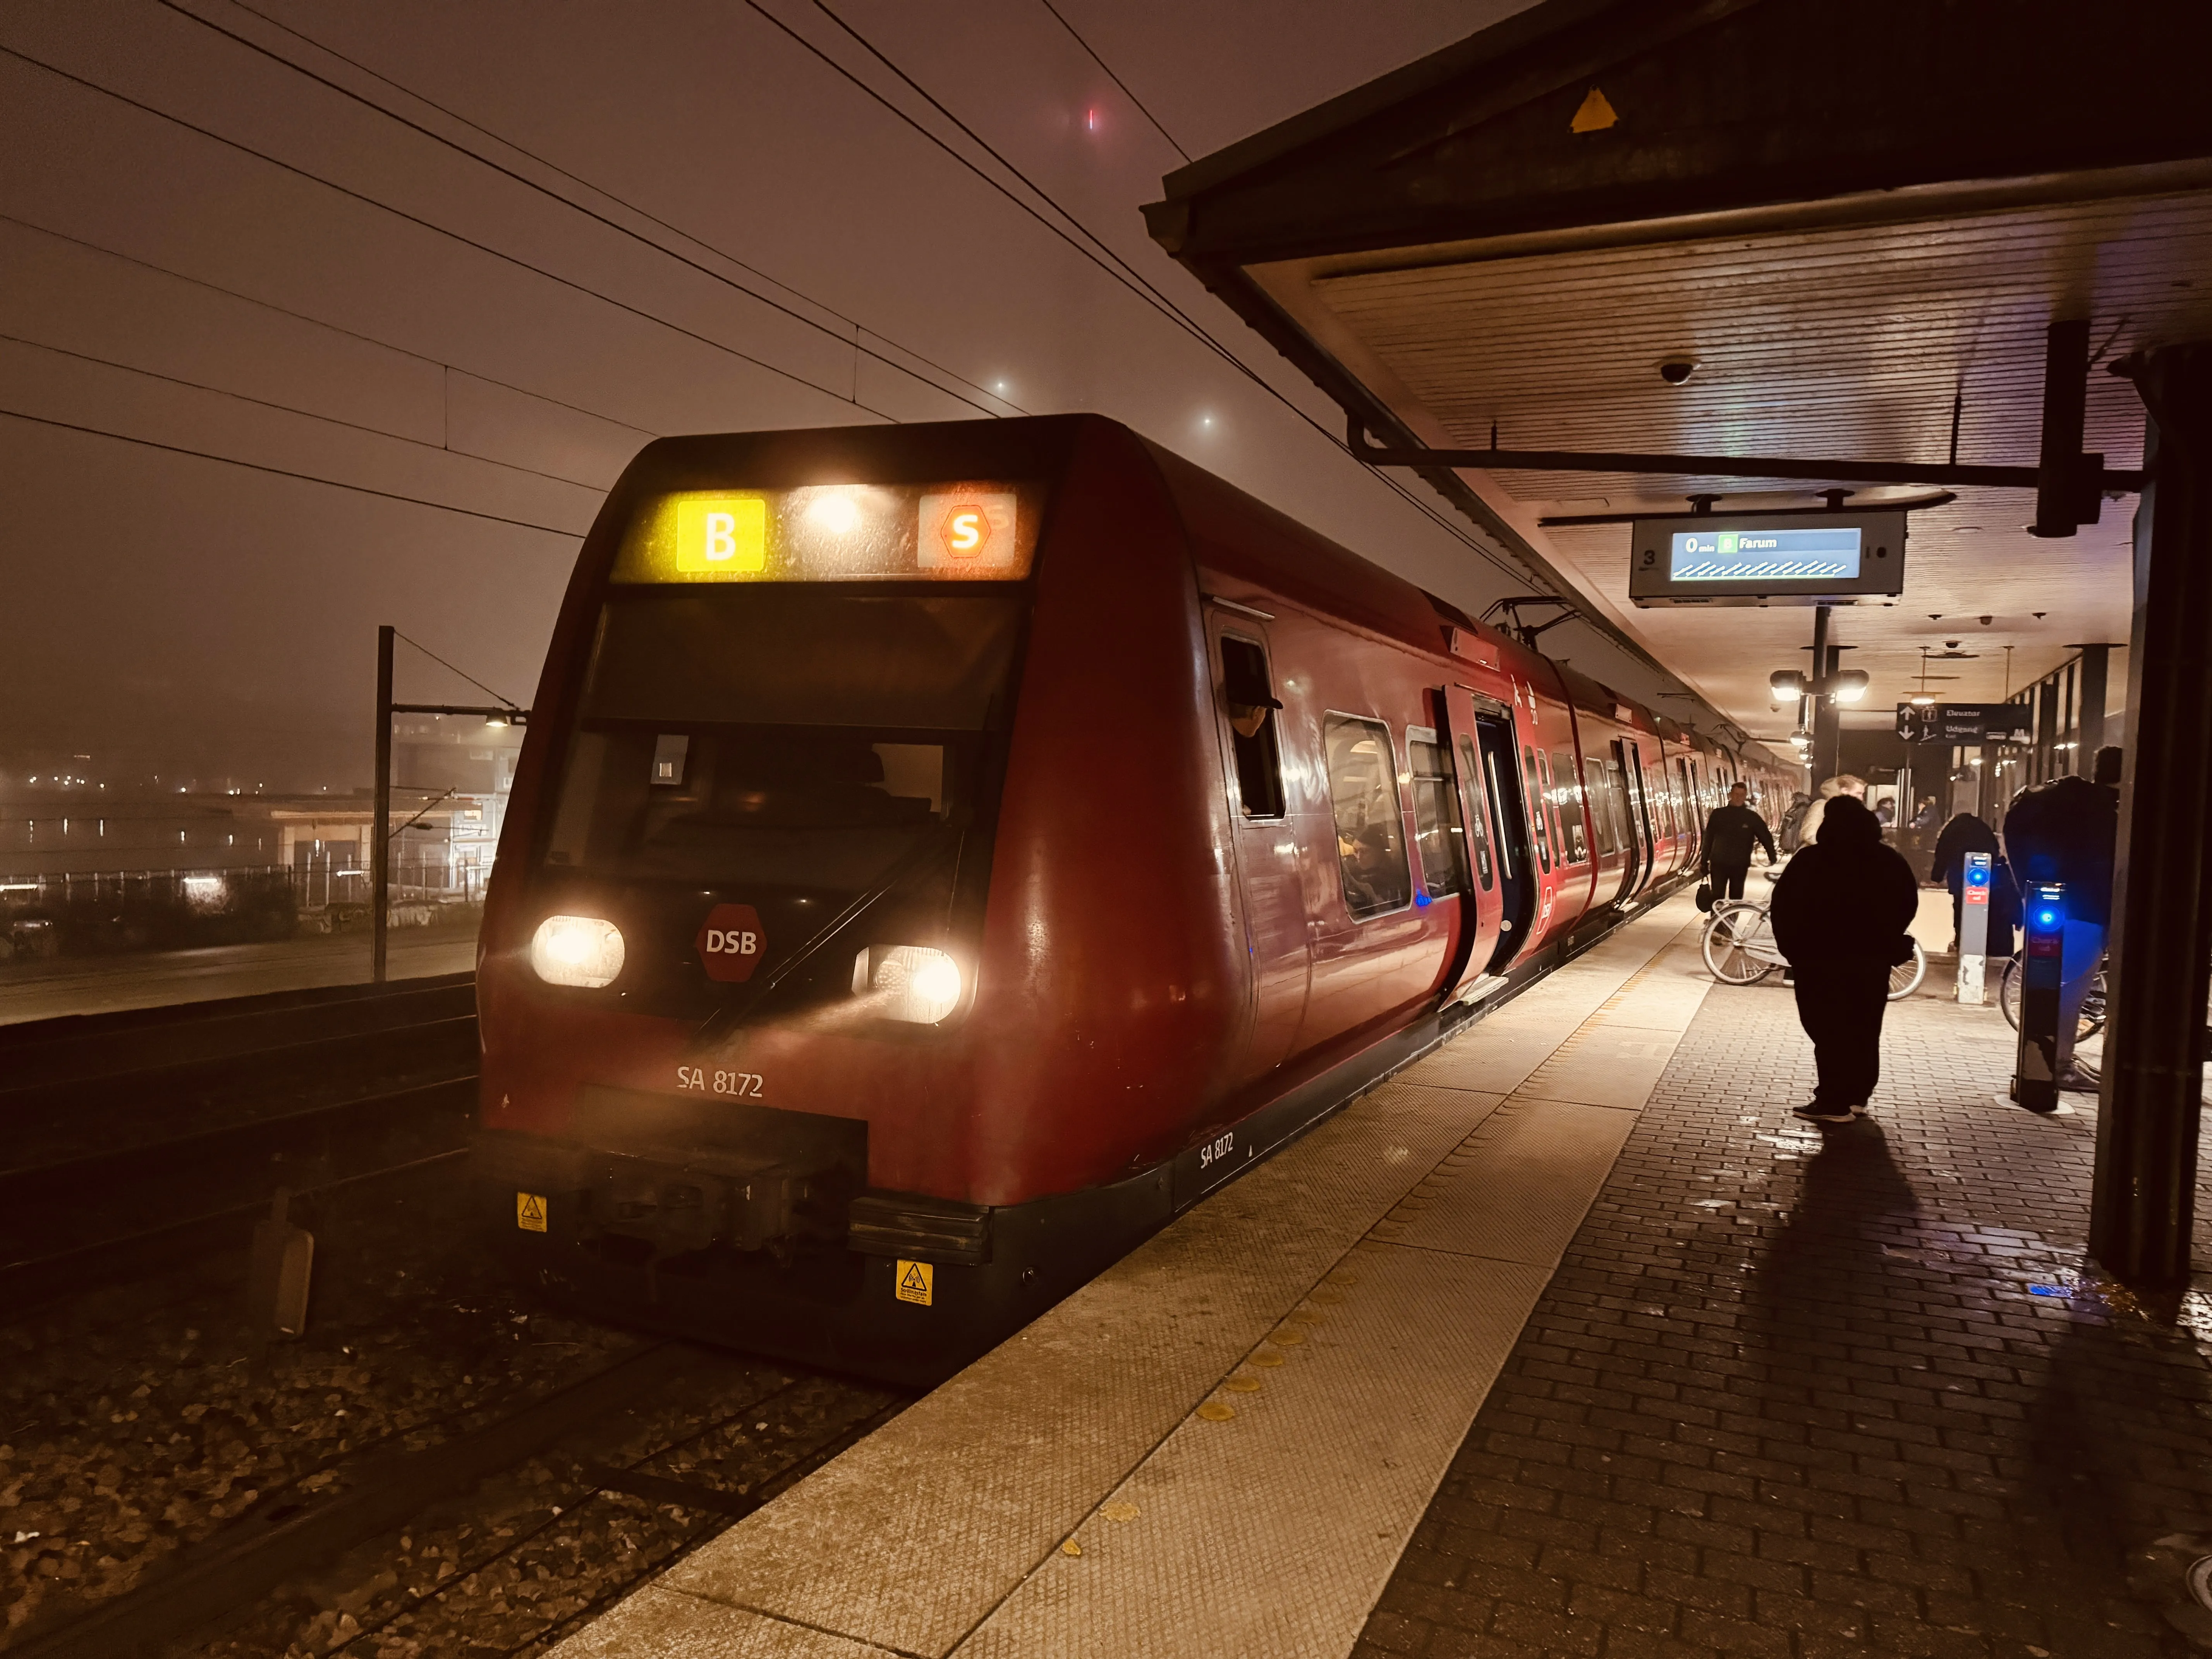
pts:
pixel 1731 466
pixel 2142 1201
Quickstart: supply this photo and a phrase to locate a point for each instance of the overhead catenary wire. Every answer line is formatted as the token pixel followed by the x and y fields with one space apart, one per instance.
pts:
pixel 287 472
pixel 1091 52
pixel 500 696
pixel 304 414
pixel 528 183
pixel 318 322
pixel 1119 269
pixel 485 248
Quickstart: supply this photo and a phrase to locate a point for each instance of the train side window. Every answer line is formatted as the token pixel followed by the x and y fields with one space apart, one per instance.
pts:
pixel 1600 798
pixel 1247 689
pixel 1436 816
pixel 1542 836
pixel 1478 834
pixel 1567 794
pixel 1363 791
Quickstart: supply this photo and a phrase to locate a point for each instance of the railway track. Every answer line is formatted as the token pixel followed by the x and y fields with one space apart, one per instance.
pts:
pixel 135 1141
pixel 435 1467
pixel 659 1443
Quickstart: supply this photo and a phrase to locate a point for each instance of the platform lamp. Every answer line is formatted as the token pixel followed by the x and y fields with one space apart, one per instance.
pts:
pixel 2035 1072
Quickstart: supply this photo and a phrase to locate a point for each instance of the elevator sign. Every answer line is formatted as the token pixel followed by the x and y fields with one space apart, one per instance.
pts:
pixel 1766 558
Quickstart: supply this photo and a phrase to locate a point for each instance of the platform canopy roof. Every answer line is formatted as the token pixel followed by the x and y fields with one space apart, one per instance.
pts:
pixel 1855 218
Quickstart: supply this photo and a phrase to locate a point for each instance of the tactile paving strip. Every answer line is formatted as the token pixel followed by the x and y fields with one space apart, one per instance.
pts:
pixel 1266 1527
pixel 916 1537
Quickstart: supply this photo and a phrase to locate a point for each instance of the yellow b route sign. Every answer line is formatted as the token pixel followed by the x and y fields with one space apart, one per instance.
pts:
pixel 916 1282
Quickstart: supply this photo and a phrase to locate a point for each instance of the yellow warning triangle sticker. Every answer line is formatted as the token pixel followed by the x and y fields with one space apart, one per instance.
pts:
pixel 1596 115
pixel 913 1280
pixel 529 1212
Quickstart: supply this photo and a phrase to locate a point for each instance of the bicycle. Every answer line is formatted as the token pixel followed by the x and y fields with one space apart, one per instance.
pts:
pixel 1738 946
pixel 2086 1023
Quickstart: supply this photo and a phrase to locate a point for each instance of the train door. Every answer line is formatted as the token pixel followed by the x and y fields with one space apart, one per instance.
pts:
pixel 1639 809
pixel 1694 820
pixel 1506 814
pixel 1265 836
pixel 1621 800
pixel 1488 906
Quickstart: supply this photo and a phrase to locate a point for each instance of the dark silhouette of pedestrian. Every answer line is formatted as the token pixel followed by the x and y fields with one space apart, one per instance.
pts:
pixel 1840 912
pixel 1966 834
pixel 1731 832
pixel 2063 830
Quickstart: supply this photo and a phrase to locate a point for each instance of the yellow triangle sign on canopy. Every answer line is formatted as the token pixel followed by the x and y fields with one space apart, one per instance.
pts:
pixel 1596 115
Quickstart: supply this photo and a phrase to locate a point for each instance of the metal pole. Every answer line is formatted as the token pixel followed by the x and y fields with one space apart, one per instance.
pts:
pixel 1826 719
pixel 2095 660
pixel 379 852
pixel 2141 1203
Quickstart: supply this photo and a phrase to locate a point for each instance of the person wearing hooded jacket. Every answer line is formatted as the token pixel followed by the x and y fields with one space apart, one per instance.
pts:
pixel 1840 912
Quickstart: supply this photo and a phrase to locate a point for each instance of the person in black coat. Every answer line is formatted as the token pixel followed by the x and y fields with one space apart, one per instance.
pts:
pixel 1730 834
pixel 1840 913
pixel 2064 830
pixel 1967 834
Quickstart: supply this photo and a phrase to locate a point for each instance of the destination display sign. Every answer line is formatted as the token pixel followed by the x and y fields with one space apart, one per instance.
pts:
pixel 954 532
pixel 1711 558
pixel 1965 722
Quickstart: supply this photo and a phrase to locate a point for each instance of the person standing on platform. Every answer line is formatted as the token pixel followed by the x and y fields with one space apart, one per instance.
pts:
pixel 2066 831
pixel 1731 831
pixel 1840 912
pixel 1843 784
pixel 1967 834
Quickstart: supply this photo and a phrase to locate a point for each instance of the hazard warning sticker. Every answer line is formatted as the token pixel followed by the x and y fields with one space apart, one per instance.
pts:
pixel 916 1282
pixel 529 1212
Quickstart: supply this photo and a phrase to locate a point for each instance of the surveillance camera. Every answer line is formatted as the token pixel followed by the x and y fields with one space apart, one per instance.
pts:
pixel 1677 370
pixel 1985 621
pixel 1950 645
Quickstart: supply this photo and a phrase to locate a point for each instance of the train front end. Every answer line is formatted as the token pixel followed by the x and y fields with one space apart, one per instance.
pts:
pixel 732 943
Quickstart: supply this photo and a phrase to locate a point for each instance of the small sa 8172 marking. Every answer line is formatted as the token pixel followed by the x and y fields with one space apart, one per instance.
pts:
pixel 738 1085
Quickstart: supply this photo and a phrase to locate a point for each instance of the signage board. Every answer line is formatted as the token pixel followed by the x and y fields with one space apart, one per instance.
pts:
pixel 1965 722
pixel 1786 558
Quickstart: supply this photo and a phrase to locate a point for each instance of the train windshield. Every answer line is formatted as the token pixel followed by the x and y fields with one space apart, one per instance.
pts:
pixel 796 737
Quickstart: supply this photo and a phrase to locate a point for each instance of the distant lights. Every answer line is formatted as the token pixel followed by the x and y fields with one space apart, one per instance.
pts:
pixel 1922 703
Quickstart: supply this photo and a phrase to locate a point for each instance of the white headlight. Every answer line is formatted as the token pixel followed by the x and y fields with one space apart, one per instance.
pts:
pixel 907 982
pixel 576 950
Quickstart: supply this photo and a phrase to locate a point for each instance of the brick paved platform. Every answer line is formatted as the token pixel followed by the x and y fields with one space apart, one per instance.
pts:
pixel 1808 1393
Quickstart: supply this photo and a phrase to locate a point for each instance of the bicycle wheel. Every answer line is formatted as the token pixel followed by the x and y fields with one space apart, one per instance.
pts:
pixel 2094 1010
pixel 2086 1023
pixel 1904 978
pixel 1738 946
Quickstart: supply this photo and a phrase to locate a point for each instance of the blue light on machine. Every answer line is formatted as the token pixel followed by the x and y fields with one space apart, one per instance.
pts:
pixel 1978 877
pixel 2046 918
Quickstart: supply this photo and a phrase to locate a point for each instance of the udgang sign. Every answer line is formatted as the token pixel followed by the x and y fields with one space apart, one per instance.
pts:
pixel 1965 722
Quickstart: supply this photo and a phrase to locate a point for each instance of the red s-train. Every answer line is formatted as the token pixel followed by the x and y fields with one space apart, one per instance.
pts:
pixel 941 854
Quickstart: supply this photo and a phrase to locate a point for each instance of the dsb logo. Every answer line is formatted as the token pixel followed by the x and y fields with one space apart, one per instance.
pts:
pixel 731 942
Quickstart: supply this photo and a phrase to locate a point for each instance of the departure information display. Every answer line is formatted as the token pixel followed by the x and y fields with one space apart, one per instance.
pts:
pixel 1766 558
pixel 1721 556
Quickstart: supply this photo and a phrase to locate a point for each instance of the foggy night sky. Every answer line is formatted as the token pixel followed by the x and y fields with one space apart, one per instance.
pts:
pixel 176 613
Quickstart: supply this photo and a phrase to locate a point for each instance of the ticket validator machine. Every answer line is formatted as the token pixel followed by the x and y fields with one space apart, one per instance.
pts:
pixel 1974 928
pixel 2035 1074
